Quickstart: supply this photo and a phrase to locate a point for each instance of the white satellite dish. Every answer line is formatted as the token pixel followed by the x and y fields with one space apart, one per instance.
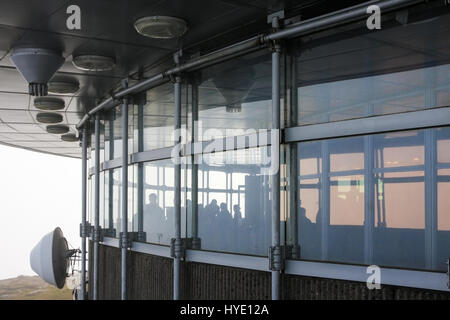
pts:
pixel 50 258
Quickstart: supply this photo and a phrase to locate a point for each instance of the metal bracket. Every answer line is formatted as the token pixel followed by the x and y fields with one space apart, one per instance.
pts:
pixel 196 243
pixel 278 14
pixel 86 231
pixel 109 232
pixel 277 257
pixel 293 252
pixel 178 248
pixel 275 45
pixel 141 236
pixel 448 273
pixel 97 234
pixel 125 240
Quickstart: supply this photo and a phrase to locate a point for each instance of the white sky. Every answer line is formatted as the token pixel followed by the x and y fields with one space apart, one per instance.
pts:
pixel 38 192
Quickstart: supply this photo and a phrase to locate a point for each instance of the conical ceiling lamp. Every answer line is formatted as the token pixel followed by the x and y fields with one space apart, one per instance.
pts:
pixel 234 86
pixel 37 66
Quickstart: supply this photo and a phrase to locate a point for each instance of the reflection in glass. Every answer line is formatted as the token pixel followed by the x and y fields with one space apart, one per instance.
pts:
pixel 158 202
pixel 158 115
pixel 357 73
pixel 234 96
pixel 234 201
pixel 370 199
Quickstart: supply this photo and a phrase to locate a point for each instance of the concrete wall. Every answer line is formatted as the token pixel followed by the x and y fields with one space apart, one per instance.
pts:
pixel 150 277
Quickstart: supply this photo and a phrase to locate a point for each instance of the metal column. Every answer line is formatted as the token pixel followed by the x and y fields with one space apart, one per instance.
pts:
pixel 83 211
pixel 177 195
pixel 111 177
pixel 275 155
pixel 140 196
pixel 97 231
pixel 194 168
pixel 124 224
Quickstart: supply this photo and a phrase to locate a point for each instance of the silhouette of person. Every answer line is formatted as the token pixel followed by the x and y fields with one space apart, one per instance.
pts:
pixel 225 221
pixel 237 227
pixel 153 219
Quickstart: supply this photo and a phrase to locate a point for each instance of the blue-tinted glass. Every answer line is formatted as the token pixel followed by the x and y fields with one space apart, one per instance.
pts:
pixel 365 73
pixel 370 199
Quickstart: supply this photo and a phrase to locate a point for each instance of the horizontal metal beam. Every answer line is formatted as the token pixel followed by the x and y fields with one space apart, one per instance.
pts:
pixel 389 276
pixel 334 19
pixel 152 155
pixel 378 124
pixel 396 277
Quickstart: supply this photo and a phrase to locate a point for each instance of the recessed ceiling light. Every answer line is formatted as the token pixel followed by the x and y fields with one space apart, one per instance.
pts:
pixel 63 86
pixel 69 137
pixel 235 108
pixel 49 103
pixel 49 117
pixel 161 27
pixel 93 63
pixel 57 129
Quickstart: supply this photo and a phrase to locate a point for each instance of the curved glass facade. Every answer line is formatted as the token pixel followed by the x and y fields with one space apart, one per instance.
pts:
pixel 377 197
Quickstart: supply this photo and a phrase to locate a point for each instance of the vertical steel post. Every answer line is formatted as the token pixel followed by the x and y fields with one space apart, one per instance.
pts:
pixel 194 168
pixel 140 196
pixel 97 231
pixel 275 155
pixel 124 224
pixel 111 176
pixel 83 210
pixel 177 195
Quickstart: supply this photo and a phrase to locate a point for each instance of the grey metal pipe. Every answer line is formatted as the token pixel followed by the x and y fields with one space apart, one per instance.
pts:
pixel 177 195
pixel 140 169
pixel 83 210
pixel 275 156
pixel 124 224
pixel 333 19
pixel 194 168
pixel 96 204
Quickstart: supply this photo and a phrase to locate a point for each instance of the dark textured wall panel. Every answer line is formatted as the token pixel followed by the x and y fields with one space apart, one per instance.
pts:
pixel 150 277
pixel 309 288
pixel 206 281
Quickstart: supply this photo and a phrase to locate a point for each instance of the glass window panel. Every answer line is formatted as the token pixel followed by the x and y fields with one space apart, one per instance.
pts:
pixel 399 236
pixel 382 214
pixel 443 218
pixel 399 149
pixel 159 112
pixel 158 202
pixel 360 73
pixel 235 217
pixel 235 96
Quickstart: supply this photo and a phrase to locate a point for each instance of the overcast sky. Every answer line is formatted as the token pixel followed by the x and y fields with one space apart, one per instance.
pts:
pixel 38 192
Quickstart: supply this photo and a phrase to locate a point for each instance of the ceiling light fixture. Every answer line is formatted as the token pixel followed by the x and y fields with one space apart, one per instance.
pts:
pixel 69 137
pixel 93 63
pixel 49 117
pixel 63 86
pixel 37 66
pixel 57 129
pixel 49 103
pixel 161 27
pixel 235 108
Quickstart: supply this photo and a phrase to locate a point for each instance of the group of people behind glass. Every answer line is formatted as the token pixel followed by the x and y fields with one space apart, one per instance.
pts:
pixel 218 229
